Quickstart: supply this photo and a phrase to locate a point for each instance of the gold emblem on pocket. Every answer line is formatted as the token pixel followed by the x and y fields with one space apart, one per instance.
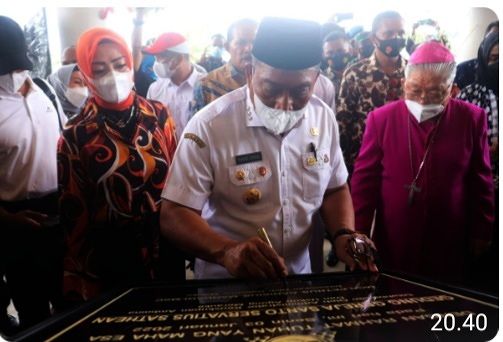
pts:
pixel 314 131
pixel 252 196
pixel 240 175
pixel 311 161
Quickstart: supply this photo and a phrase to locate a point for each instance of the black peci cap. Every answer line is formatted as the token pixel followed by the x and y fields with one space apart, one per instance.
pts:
pixel 13 48
pixel 288 44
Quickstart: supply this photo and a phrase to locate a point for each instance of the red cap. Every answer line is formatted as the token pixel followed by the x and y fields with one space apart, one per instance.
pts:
pixel 431 52
pixel 170 41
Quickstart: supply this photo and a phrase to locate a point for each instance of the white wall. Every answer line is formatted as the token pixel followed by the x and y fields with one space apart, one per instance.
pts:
pixel 73 21
pixel 471 26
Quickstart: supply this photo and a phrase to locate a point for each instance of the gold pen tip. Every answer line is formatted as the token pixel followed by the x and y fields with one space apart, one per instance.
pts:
pixel 262 233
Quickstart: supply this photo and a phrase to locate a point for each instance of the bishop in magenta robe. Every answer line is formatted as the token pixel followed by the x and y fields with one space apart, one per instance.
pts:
pixel 452 208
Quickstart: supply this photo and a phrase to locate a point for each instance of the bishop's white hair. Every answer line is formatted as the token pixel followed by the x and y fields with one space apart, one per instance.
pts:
pixel 447 71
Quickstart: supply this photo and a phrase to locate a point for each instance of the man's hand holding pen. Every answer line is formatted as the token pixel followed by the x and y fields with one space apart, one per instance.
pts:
pixel 254 258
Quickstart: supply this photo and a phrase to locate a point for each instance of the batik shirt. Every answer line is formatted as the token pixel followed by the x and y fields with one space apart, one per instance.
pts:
pixel 336 79
pixel 364 87
pixel 111 177
pixel 217 83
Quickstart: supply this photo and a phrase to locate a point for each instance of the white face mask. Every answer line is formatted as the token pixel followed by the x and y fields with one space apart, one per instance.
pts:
pixel 12 81
pixel 164 70
pixel 277 121
pixel 77 96
pixel 423 112
pixel 115 86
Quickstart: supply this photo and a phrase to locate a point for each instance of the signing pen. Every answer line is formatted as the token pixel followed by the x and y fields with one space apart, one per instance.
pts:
pixel 262 234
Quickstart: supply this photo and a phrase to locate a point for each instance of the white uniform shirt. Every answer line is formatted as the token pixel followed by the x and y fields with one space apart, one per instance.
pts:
pixel 205 175
pixel 325 90
pixel 177 98
pixel 29 133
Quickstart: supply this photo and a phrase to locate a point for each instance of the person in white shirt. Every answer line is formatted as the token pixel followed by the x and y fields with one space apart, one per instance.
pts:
pixel 325 90
pixel 30 240
pixel 177 77
pixel 265 155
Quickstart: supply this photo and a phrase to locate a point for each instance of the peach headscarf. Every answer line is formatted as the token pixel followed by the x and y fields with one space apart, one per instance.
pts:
pixel 86 49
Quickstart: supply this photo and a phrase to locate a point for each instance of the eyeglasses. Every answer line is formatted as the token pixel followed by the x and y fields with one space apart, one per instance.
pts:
pixel 428 96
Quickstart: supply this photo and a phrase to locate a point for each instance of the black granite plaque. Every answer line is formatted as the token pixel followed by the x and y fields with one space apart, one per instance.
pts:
pixel 310 308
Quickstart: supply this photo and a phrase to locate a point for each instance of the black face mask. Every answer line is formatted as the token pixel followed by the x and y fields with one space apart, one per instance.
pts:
pixel 494 67
pixel 339 60
pixel 391 47
pixel 492 78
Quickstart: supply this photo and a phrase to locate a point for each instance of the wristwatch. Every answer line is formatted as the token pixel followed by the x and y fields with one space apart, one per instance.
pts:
pixel 342 231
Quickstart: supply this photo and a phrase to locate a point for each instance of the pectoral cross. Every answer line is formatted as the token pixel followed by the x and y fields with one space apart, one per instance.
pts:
pixel 412 189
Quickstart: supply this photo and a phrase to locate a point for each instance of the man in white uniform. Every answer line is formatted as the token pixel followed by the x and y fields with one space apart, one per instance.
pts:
pixel 30 240
pixel 325 90
pixel 265 155
pixel 177 77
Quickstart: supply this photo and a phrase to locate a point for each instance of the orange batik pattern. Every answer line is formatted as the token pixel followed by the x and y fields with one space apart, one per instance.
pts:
pixel 111 179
